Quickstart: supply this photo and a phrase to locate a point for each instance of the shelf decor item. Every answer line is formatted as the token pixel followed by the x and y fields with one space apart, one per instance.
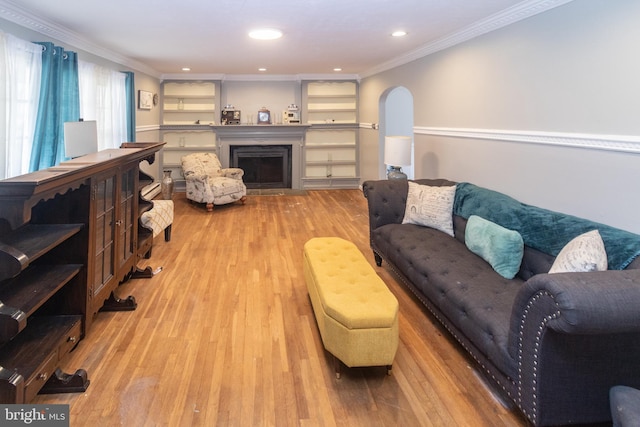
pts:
pixel 166 186
pixel 230 116
pixel 264 116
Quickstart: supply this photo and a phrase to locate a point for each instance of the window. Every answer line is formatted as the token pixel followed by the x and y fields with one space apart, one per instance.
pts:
pixel 103 99
pixel 19 93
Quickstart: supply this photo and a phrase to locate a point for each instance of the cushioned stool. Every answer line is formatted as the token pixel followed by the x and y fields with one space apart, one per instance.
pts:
pixel 159 219
pixel 356 313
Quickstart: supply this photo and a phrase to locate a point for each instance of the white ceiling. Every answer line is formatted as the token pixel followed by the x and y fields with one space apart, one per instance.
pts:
pixel 210 36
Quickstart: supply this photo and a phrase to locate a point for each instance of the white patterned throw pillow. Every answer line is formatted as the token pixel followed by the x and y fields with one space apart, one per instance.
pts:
pixel 430 206
pixel 584 253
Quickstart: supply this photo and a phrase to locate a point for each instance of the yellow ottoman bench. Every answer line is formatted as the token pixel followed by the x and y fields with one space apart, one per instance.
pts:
pixel 356 313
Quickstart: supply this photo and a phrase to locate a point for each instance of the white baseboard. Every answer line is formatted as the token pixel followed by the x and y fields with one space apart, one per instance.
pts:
pixel 151 191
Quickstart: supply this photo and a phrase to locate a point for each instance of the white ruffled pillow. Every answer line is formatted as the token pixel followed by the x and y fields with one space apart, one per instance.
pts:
pixel 584 253
pixel 430 206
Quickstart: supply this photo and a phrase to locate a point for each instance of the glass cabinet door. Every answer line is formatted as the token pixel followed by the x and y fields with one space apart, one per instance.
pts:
pixel 126 217
pixel 104 199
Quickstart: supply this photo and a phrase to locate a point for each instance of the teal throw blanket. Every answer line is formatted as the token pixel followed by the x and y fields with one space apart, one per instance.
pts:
pixel 542 229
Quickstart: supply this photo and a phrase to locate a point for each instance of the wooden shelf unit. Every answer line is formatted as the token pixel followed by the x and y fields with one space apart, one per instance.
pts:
pixel 329 114
pixel 68 235
pixel 186 102
pixel 331 154
pixel 190 109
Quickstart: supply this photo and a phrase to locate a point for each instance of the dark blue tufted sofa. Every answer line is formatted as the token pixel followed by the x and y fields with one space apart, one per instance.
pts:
pixel 554 344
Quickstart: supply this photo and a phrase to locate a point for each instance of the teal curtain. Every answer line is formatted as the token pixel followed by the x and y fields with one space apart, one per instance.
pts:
pixel 131 106
pixel 59 102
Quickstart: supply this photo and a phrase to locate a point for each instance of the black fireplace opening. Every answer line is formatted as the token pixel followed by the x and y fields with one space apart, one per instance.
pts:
pixel 264 166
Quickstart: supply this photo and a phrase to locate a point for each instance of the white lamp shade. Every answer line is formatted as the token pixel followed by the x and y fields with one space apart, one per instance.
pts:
pixel 80 138
pixel 397 150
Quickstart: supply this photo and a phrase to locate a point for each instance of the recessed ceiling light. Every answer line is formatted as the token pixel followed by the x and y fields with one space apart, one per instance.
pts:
pixel 337 69
pixel 265 34
pixel 186 69
pixel 262 69
pixel 399 33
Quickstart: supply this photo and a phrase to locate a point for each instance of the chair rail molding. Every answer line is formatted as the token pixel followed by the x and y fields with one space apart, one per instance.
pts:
pixel 147 128
pixel 621 143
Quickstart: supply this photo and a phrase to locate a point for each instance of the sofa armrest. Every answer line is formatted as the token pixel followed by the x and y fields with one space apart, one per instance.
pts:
pixel 386 201
pixel 235 173
pixel 587 303
pixel 574 336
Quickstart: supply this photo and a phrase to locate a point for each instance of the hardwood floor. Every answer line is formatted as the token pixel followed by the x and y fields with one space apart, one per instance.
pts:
pixel 225 334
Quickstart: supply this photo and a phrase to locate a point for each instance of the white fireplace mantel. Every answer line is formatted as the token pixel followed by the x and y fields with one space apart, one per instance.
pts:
pixel 293 135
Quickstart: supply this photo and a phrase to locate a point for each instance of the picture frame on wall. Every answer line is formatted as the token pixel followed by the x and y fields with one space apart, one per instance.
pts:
pixel 145 100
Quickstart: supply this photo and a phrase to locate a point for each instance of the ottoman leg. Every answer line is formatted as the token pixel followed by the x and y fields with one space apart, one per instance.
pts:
pixel 167 233
pixel 388 369
pixel 338 366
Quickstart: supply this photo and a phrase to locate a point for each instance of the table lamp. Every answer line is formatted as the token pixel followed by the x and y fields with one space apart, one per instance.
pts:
pixel 397 153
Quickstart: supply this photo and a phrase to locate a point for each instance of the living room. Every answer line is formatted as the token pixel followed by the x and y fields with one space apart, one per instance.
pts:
pixel 544 110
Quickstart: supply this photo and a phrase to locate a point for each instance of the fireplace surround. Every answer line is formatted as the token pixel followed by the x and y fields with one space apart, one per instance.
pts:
pixel 265 166
pixel 264 136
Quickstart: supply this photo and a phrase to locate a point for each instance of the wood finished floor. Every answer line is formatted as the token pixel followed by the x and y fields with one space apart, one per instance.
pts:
pixel 225 334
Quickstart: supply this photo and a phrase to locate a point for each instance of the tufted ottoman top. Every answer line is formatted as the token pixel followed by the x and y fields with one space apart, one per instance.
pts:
pixel 349 289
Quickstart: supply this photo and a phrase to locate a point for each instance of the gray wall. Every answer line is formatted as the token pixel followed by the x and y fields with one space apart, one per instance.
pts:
pixel 574 69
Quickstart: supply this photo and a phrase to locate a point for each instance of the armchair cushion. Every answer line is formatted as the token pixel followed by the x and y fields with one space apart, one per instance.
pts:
pixel 201 165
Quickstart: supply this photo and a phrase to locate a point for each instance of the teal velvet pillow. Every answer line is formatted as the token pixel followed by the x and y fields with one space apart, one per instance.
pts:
pixel 499 246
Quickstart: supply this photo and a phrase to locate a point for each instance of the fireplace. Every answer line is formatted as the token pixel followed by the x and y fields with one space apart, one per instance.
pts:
pixel 260 138
pixel 265 166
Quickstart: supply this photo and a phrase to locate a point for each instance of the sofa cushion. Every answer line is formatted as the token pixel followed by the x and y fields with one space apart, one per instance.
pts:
pixel 430 206
pixel 534 262
pixel 582 254
pixel 500 247
pixel 542 229
pixel 472 296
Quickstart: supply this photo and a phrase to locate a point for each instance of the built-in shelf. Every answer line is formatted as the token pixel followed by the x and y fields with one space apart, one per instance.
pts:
pixel 327 135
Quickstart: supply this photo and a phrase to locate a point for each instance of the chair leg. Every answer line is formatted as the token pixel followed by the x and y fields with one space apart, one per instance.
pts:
pixel 209 207
pixel 167 233
pixel 243 200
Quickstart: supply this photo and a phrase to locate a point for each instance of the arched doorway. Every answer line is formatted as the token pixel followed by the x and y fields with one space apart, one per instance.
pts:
pixel 396 118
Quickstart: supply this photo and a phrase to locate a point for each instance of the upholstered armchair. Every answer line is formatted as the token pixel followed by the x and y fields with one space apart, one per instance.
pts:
pixel 208 182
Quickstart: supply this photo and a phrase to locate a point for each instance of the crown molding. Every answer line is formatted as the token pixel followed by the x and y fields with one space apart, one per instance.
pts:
pixel 20 16
pixel 499 20
pixel 329 77
pixel 189 76
pixel 259 77
pixel 618 143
